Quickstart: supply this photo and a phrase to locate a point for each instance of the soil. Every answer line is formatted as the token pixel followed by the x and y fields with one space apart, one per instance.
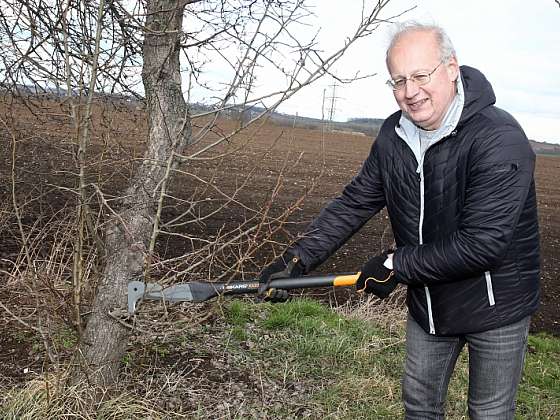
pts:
pixel 41 141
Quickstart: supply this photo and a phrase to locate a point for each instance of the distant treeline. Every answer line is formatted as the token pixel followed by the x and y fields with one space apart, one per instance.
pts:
pixel 368 126
pixel 543 148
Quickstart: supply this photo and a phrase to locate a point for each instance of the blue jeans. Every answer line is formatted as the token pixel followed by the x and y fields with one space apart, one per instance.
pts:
pixel 496 359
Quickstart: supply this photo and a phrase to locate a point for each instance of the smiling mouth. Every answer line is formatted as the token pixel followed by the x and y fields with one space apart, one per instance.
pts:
pixel 416 105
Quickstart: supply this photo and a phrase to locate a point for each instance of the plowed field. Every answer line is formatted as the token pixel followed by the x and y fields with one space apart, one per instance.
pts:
pixel 40 142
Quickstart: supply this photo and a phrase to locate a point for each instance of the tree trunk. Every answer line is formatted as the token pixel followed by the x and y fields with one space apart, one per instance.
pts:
pixel 127 235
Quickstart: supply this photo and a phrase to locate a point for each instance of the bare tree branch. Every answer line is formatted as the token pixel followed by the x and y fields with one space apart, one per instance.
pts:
pixel 159 206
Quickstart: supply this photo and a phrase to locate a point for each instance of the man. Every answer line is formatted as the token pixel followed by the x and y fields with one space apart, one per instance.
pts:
pixel 456 175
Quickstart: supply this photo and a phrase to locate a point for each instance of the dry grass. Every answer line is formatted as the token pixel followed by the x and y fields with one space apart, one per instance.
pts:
pixel 48 399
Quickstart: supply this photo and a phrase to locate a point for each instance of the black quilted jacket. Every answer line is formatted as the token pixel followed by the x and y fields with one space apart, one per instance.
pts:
pixel 469 249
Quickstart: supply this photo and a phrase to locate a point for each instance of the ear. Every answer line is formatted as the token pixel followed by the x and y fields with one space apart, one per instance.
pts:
pixel 452 68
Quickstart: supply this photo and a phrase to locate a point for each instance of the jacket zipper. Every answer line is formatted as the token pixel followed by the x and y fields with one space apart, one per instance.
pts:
pixel 420 172
pixel 421 222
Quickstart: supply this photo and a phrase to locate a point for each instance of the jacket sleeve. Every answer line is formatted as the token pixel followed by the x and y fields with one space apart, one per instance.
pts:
pixel 498 182
pixel 360 200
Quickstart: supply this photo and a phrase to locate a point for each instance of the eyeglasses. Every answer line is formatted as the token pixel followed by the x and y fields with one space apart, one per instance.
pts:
pixel 420 78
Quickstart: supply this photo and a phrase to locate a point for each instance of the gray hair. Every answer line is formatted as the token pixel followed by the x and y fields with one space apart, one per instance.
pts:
pixel 446 48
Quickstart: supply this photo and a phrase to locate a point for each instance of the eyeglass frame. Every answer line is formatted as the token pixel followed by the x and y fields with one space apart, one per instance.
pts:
pixel 392 83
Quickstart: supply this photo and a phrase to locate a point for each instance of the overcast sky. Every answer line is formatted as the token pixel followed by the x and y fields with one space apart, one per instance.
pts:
pixel 515 43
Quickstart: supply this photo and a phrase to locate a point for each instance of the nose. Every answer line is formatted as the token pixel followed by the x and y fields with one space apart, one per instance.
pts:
pixel 410 89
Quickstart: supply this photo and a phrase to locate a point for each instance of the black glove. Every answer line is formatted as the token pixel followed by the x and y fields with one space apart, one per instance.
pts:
pixel 288 265
pixel 376 278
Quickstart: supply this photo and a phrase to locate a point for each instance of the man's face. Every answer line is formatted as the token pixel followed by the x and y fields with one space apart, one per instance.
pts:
pixel 415 52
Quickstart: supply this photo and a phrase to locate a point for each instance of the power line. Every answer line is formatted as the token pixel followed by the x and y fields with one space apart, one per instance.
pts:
pixel 332 104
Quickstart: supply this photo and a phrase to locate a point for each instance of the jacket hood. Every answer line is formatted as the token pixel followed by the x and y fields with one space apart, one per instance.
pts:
pixel 478 92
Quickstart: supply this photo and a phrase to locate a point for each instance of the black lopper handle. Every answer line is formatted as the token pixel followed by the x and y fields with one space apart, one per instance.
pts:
pixel 252 286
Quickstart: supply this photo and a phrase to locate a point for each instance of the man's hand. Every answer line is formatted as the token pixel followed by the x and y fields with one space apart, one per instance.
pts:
pixel 376 278
pixel 286 266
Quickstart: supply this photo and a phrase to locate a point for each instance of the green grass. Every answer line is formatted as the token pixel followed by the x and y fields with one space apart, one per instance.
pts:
pixel 294 360
pixel 238 313
pixel 539 392
pixel 319 341
pixel 352 368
